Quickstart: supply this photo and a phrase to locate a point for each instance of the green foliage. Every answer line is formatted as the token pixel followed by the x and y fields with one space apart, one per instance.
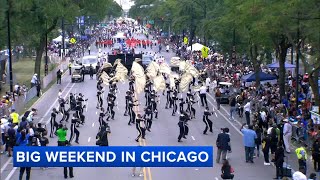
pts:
pixel 33 20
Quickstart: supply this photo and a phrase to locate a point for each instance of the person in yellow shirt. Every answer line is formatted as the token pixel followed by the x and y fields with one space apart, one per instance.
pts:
pixel 302 157
pixel 14 116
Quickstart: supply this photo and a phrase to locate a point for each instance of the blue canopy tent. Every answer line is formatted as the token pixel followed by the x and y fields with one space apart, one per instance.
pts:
pixel 277 65
pixel 263 77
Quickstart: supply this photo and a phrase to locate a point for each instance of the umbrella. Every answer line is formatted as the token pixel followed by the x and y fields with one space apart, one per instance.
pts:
pixel 277 65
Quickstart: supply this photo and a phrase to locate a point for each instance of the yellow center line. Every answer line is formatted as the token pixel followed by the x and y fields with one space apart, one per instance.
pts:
pixel 137 110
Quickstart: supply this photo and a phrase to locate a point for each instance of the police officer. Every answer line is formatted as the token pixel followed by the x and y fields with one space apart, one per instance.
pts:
pixel 53 122
pixel 207 121
pixel 74 130
pixel 148 116
pixel 141 127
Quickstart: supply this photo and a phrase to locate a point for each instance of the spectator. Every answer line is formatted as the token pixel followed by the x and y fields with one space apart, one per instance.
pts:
pixel 279 159
pixel 316 155
pixel 299 175
pixel 23 141
pixel 222 143
pixel 14 116
pixel 34 80
pixel 227 171
pixel 249 138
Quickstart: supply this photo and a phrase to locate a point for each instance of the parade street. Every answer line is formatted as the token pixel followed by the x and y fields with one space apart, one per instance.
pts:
pixel 164 132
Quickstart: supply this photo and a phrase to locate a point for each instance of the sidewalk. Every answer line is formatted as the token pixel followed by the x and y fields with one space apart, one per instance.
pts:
pixel 292 158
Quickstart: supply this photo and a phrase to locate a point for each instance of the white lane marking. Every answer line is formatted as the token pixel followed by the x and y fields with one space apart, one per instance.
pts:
pixel 216 178
pixel 5 165
pixel 48 121
pixel 11 173
pixel 9 160
pixel 193 138
pixel 89 139
pixel 96 112
pixel 225 110
pixel 50 109
pixel 215 114
pixel 196 169
pixel 92 124
pixel 237 129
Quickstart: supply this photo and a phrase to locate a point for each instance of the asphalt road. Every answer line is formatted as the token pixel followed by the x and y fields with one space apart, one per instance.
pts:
pixel 164 133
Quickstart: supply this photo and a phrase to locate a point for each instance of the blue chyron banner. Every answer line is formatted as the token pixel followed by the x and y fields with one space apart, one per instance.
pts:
pixel 113 156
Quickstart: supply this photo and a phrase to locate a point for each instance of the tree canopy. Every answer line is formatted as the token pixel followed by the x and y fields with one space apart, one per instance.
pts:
pixel 257 28
pixel 33 20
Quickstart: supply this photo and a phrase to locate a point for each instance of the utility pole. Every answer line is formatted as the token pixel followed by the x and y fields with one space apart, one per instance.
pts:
pixel 297 62
pixel 9 47
pixel 46 58
pixel 63 37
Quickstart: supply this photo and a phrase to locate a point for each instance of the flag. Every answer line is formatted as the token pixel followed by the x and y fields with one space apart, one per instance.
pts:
pixel 121 72
pixel 137 60
pixel 186 79
pixel 116 62
pixel 164 68
pixel 152 70
pixel 159 83
pixel 105 78
pixel 205 51
pixel 182 65
pixel 140 78
pixel 104 75
pixel 175 61
pixel 196 88
pixel 171 77
pixel 192 70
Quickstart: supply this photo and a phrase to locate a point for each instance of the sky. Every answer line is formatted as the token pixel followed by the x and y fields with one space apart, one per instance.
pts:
pixel 126 4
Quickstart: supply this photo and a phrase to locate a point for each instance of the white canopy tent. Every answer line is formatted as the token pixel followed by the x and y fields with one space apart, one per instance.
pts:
pixel 59 39
pixel 120 36
pixel 195 47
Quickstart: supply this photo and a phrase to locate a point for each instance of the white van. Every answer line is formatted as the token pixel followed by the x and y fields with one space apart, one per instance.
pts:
pixel 86 61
